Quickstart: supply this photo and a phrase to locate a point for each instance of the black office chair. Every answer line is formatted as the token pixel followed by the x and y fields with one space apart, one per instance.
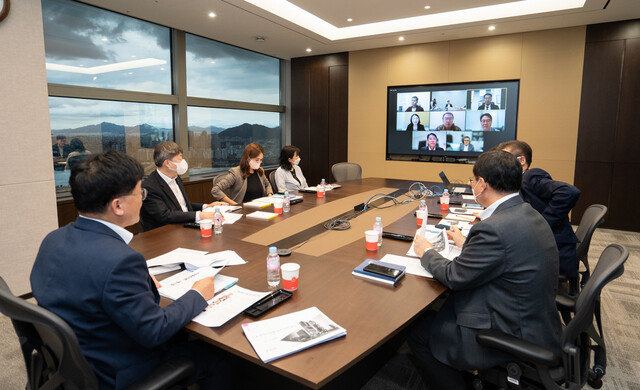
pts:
pixel 53 357
pixel 272 180
pixel 536 367
pixel 592 218
pixel 343 171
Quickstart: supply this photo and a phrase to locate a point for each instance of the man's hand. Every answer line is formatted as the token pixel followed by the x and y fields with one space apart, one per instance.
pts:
pixel 205 287
pixel 206 215
pixel 420 245
pixel 456 236
pixel 155 281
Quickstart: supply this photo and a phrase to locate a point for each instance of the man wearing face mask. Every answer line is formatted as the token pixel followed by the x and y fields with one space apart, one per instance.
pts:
pixel 166 200
pixel 289 176
pixel 505 278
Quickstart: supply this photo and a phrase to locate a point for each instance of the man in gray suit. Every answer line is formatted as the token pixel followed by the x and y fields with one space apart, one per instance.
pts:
pixel 505 279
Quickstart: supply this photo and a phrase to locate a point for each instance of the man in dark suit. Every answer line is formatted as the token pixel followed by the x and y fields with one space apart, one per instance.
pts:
pixel 166 200
pixel 430 144
pixel 87 274
pixel 414 105
pixel 488 104
pixel 552 199
pixel 505 279
pixel 60 152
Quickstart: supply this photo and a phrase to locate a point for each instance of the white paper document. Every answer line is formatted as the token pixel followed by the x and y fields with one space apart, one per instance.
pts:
pixel 262 215
pixel 223 209
pixel 462 210
pixel 175 257
pixel 281 336
pixel 163 269
pixel 177 285
pixel 440 244
pixel 412 264
pixel 260 202
pixel 228 304
pixel 468 197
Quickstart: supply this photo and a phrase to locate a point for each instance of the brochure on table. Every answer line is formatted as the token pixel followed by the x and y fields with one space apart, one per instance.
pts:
pixel 193 259
pixel 227 304
pixel 177 285
pixel 262 215
pixel 281 336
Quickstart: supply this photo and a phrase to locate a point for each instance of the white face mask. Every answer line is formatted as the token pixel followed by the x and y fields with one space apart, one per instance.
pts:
pixel 296 161
pixel 254 165
pixel 473 191
pixel 182 167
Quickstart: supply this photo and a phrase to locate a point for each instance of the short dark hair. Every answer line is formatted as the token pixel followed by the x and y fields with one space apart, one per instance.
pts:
pixel 448 113
pixel 501 170
pixel 165 150
pixel 76 145
pixel 102 177
pixel 285 154
pixel 432 134
pixel 487 94
pixel 61 137
pixel 486 114
pixel 517 148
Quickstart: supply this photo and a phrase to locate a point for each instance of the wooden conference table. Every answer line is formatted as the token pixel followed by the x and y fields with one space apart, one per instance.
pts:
pixel 371 313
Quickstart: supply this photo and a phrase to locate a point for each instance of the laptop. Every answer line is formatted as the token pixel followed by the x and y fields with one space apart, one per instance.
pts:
pixel 463 189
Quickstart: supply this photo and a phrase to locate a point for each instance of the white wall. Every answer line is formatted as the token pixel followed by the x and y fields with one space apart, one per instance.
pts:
pixel 27 191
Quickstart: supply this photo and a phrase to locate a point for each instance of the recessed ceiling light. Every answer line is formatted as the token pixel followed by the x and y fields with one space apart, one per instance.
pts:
pixel 427 7
pixel 104 39
pixel 259 38
pixel 212 15
pixel 491 28
pixel 401 38
pixel 212 62
pixel 308 50
pixel 349 20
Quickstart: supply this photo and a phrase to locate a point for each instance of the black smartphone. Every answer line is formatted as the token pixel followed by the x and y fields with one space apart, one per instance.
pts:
pixel 441 226
pixel 192 225
pixel 382 270
pixel 267 303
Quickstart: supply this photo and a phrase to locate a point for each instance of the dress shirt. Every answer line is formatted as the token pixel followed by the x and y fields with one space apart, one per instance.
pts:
pixel 171 182
pixel 486 213
pixel 126 235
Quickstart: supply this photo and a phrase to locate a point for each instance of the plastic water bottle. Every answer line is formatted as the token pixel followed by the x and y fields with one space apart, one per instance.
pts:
pixel 286 202
pixel 273 267
pixel 423 205
pixel 444 202
pixel 377 226
pixel 321 188
pixel 217 221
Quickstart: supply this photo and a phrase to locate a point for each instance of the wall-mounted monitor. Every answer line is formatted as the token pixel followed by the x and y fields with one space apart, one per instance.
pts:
pixel 457 121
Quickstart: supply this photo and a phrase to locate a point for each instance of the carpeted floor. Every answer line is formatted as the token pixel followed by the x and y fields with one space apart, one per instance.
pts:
pixel 621 316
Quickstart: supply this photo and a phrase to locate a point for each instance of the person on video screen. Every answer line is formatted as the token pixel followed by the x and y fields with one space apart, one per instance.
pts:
pixel 415 124
pixel 447 123
pixel 431 144
pixel 486 120
pixel 448 106
pixel 465 145
pixel 488 104
pixel 414 105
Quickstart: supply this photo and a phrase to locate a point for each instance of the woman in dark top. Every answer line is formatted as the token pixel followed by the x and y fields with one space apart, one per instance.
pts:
pixel 245 182
pixel 415 124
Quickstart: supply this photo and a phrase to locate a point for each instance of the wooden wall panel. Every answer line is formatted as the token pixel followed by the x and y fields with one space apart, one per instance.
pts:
pixel 627 139
pixel 588 174
pixel 338 112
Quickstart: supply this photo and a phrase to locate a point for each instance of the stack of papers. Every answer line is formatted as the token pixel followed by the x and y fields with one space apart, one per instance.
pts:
pixel 262 215
pixel 260 202
pixel 223 209
pixel 281 336
pixel 192 259
pixel 177 285
pixel 228 304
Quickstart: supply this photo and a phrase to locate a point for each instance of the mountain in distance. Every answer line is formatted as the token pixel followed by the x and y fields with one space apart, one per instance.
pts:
pixel 254 131
pixel 208 129
pixel 109 128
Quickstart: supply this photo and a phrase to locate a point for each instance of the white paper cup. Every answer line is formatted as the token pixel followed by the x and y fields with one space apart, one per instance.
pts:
pixel 371 237
pixel 277 206
pixel 419 217
pixel 290 275
pixel 205 227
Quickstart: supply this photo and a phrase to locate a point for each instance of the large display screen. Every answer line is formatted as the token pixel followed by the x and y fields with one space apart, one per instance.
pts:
pixel 450 120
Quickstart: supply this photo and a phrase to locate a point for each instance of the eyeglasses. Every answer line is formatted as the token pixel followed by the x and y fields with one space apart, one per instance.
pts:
pixel 143 193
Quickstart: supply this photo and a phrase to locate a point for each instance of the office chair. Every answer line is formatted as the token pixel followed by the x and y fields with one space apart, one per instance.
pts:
pixel 592 218
pixel 536 367
pixel 53 357
pixel 272 180
pixel 344 171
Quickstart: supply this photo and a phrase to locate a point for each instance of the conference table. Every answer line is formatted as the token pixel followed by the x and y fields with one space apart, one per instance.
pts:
pixel 372 313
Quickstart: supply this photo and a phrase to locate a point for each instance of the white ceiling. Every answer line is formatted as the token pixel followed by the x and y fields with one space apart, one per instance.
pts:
pixel 239 22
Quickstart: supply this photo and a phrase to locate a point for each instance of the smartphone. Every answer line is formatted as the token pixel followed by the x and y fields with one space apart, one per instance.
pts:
pixel 267 303
pixel 382 270
pixel 441 226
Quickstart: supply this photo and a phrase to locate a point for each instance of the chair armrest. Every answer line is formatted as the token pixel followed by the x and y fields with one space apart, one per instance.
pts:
pixel 170 373
pixel 565 302
pixel 516 347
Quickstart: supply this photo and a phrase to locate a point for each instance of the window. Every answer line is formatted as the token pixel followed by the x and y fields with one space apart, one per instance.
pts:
pixel 91 47
pixel 217 137
pixel 219 71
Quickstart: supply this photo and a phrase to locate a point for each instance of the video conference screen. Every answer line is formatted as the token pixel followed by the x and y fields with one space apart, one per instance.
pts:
pixel 454 120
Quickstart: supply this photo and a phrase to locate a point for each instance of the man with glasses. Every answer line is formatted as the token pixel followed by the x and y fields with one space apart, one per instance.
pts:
pixel 167 201
pixel 86 273
pixel 505 278
pixel 552 199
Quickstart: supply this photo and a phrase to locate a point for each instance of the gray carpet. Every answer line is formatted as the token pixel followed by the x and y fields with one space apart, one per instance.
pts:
pixel 621 315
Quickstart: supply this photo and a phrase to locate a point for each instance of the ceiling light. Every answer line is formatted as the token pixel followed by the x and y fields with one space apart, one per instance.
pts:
pixel 212 15
pixel 349 20
pixel 401 38
pixel 212 62
pixel 259 39
pixel 104 39
pixel 308 50
pixel 491 28
pixel 106 68
pixel 427 7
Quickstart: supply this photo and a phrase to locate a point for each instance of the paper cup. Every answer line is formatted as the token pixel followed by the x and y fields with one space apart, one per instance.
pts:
pixel 444 203
pixel 371 237
pixel 320 192
pixel 290 275
pixel 419 217
pixel 277 206
pixel 205 227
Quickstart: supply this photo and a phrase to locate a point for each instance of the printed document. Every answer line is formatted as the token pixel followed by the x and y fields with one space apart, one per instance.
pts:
pixel 226 305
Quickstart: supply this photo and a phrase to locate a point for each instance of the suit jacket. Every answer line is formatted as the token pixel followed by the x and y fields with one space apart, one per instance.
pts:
pixel 410 127
pixel 422 145
pixel 161 206
pixel 470 147
pixel 66 149
pixel 493 107
pixel 85 273
pixel 234 185
pixel 286 182
pixel 418 108
pixel 553 200
pixel 505 278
